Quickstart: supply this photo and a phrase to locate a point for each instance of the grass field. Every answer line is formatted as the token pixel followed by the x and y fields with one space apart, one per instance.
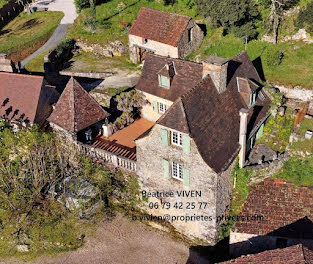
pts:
pixel 109 16
pixel 295 69
pixel 26 33
pixel 36 64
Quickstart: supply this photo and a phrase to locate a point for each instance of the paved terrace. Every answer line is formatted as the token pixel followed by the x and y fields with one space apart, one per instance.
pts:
pixel 122 142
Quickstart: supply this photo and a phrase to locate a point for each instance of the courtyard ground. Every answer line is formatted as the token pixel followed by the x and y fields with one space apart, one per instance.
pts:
pixel 121 240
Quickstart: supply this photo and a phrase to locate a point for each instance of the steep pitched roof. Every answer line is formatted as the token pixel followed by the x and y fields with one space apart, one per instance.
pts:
pixel 290 255
pixel 292 206
pixel 187 75
pixel 76 109
pixel 213 119
pixel 159 26
pixel 20 96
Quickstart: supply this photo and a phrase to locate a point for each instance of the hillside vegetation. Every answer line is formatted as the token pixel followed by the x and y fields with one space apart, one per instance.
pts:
pixel 26 33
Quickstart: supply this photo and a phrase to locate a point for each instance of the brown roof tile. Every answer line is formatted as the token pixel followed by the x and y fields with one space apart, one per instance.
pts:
pixel 290 255
pixel 22 97
pixel 212 118
pixel 286 209
pixel 188 74
pixel 159 26
pixel 76 109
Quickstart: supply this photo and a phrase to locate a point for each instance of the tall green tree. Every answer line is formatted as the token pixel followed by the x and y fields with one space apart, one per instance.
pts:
pixel 237 16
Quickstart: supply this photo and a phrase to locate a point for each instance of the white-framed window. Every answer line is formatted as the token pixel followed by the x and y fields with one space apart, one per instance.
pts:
pixel 164 81
pixel 162 108
pixel 252 98
pixel 177 138
pixel 177 171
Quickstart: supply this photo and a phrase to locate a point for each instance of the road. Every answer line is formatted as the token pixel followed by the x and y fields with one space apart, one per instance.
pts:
pixel 69 10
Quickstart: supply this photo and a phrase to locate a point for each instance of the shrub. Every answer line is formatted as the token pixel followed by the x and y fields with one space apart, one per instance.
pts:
pixel 273 57
pixel 81 4
pixel 305 18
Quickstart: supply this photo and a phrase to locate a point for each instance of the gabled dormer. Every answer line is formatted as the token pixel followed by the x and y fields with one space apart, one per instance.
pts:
pixel 248 90
pixel 167 74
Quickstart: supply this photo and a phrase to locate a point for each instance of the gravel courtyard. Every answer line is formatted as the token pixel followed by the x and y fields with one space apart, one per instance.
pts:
pixel 122 241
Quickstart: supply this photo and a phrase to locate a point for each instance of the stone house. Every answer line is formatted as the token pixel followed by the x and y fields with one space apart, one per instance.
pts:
pixel 280 215
pixel 193 145
pixel 162 33
pixel 76 112
pixel 163 81
pixel 290 255
pixel 25 99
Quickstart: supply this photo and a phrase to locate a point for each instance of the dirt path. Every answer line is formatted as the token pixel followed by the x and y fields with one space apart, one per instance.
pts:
pixel 123 241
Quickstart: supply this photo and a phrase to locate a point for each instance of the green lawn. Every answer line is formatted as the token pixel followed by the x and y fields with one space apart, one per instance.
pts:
pixel 295 69
pixel 36 64
pixel 109 16
pixel 26 33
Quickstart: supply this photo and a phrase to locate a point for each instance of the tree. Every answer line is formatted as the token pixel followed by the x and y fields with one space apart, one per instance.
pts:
pixel 305 18
pixel 237 16
pixel 277 8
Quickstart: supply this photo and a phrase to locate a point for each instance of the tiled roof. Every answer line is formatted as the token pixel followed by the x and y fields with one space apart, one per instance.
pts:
pixel 159 26
pixel 187 75
pixel 76 109
pixel 22 97
pixel 212 118
pixel 286 209
pixel 297 254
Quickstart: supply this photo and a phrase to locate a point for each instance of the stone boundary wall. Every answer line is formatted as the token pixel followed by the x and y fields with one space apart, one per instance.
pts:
pixel 95 75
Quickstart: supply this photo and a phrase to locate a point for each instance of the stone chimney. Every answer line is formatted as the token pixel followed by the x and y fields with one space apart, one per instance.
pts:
pixel 217 68
pixel 243 135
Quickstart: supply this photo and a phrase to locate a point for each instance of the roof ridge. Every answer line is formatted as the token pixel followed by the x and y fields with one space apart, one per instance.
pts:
pixel 22 75
pixel 174 59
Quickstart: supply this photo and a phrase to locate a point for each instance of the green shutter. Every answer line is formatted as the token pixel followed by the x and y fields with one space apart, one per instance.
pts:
pixel 186 144
pixel 155 106
pixel 186 177
pixel 164 137
pixel 166 168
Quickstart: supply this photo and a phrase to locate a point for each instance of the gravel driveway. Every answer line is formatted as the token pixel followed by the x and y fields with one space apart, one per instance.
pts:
pixel 122 241
pixel 69 10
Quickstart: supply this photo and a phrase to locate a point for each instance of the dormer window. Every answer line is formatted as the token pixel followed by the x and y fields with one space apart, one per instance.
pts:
pixel 164 81
pixel 252 98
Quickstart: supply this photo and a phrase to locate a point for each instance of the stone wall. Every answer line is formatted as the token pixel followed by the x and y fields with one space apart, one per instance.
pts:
pixel 155 47
pixel 115 48
pixel 184 46
pixel 148 112
pixel 150 153
pixel 6 65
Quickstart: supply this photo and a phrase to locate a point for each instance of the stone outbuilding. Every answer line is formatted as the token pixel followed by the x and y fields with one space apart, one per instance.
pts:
pixel 76 113
pixel 193 146
pixel 163 33
pixel 276 214
pixel 25 99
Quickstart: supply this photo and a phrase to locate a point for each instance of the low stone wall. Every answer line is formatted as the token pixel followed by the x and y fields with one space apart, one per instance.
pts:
pixel 95 75
pixel 115 48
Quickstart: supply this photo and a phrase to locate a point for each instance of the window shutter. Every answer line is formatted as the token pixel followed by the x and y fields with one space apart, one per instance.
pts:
pixel 186 144
pixel 155 106
pixel 164 137
pixel 186 177
pixel 250 100
pixel 166 168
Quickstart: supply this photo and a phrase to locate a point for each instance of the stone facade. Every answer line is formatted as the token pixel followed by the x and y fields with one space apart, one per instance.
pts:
pixel 184 47
pixel 215 188
pixel 6 64
pixel 148 111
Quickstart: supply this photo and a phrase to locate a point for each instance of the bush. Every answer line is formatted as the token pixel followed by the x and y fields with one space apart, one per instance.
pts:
pixel 81 4
pixel 305 18
pixel 273 57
